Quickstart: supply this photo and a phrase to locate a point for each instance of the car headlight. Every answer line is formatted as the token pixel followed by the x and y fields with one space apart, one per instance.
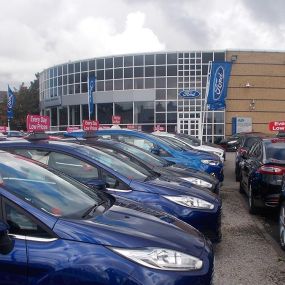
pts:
pixel 210 162
pixel 190 202
pixel 198 182
pixel 218 153
pixel 232 142
pixel 160 258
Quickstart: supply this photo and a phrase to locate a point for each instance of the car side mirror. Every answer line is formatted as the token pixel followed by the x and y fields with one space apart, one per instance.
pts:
pixel 155 151
pixel 97 184
pixel 6 243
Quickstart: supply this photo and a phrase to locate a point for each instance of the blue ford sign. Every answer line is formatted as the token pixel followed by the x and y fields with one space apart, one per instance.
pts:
pixel 219 80
pixel 218 84
pixel 189 94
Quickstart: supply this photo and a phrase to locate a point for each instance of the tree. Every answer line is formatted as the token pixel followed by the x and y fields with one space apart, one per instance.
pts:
pixel 27 102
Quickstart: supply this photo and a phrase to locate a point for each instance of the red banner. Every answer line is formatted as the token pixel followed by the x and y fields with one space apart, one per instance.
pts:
pixel 37 123
pixel 89 125
pixel 116 120
pixel 277 126
pixel 71 129
pixel 3 129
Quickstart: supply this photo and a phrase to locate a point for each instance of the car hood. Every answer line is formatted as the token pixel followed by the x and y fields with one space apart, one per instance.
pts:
pixel 130 225
pixel 210 148
pixel 161 186
pixel 197 155
pixel 184 171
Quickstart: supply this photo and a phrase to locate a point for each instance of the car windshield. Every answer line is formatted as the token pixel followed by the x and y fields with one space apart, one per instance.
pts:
pixel 145 156
pixel 189 139
pixel 112 162
pixel 179 144
pixel 165 142
pixel 275 151
pixel 45 190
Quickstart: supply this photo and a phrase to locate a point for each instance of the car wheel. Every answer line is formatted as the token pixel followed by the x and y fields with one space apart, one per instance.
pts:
pixel 252 207
pixel 282 226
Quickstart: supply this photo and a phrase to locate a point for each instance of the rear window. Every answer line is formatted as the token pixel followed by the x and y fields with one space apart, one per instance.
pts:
pixel 249 141
pixel 275 151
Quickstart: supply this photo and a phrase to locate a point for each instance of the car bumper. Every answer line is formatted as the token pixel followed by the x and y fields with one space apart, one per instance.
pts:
pixel 207 222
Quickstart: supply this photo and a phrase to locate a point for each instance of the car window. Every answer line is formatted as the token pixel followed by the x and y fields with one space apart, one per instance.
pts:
pixel 112 162
pixel 38 155
pixel 251 151
pixel 249 141
pixel 46 191
pixel 72 166
pixel 147 157
pixel 21 224
pixel 275 151
pixel 113 182
pixel 139 142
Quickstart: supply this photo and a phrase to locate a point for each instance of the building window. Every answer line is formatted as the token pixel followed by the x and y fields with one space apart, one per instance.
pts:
pixel 128 61
pixel 118 62
pixel 144 112
pixel 105 112
pixel 160 59
pixel 149 59
pixel 125 110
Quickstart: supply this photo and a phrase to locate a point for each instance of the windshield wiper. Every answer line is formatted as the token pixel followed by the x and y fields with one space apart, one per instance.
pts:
pixel 92 209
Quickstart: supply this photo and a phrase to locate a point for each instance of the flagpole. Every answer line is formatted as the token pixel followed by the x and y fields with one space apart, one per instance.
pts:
pixel 206 99
pixel 88 98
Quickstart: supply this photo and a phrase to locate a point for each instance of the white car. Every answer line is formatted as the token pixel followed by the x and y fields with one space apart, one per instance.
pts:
pixel 193 143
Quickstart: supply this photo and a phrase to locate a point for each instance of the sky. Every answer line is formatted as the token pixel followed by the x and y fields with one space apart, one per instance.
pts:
pixel 37 34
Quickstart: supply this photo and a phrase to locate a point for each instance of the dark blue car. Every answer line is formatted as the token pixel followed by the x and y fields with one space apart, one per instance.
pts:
pixel 162 167
pixel 54 230
pixel 199 208
pixel 207 162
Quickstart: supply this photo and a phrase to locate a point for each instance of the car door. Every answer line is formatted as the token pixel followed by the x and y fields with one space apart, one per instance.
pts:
pixel 13 266
pixel 251 164
pixel 42 250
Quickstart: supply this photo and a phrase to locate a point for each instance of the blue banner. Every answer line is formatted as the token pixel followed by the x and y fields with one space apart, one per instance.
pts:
pixel 10 103
pixel 219 79
pixel 91 89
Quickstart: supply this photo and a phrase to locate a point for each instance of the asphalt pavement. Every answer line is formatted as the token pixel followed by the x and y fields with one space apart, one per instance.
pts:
pixel 249 253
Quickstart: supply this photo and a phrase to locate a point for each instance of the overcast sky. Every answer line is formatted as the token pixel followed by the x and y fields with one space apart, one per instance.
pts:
pixel 36 34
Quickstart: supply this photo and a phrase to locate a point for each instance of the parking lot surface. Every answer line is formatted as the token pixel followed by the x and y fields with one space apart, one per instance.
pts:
pixel 249 252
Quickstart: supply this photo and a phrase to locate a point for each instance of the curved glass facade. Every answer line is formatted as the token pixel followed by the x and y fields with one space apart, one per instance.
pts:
pixel 142 88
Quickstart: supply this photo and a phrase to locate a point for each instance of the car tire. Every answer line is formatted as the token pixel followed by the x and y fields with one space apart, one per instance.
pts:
pixel 251 203
pixel 282 226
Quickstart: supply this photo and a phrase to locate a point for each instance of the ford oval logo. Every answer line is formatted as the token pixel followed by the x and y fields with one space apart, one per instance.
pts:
pixel 219 81
pixel 189 94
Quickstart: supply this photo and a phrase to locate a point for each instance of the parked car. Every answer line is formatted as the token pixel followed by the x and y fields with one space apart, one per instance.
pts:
pixel 232 142
pixel 200 208
pixel 192 159
pixel 193 143
pixel 157 164
pixel 54 230
pixel 245 144
pixel 261 173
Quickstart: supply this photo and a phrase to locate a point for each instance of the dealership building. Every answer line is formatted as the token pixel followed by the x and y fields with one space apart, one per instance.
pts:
pixel 145 90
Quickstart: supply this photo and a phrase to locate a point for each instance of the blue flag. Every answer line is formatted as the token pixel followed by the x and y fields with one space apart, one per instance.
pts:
pixel 91 89
pixel 219 79
pixel 10 103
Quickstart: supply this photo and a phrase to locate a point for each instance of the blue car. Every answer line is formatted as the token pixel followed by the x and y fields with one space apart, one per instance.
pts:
pixel 207 162
pixel 199 208
pixel 54 230
pixel 162 167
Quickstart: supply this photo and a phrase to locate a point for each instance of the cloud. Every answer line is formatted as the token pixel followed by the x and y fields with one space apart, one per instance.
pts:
pixel 36 34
